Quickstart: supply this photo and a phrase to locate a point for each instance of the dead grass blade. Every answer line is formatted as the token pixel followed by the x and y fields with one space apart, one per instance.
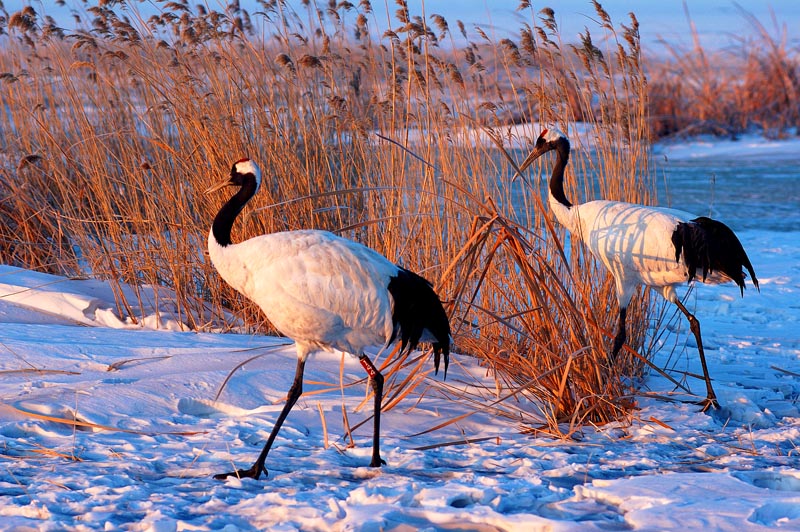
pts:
pixel 117 365
pixel 41 451
pixel 267 350
pixel 95 426
pixel 38 372
pixel 325 442
pixel 465 441
pixel 785 371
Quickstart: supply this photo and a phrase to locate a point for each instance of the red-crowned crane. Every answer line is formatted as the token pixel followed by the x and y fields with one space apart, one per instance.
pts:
pixel 641 245
pixel 324 292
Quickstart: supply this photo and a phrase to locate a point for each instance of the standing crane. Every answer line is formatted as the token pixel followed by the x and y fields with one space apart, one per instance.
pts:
pixel 641 245
pixel 324 292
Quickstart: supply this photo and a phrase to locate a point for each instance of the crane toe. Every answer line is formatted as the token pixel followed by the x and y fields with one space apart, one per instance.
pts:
pixel 709 403
pixel 377 463
pixel 253 472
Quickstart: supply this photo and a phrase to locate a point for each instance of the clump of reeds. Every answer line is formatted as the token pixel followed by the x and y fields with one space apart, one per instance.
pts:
pixel 750 85
pixel 112 131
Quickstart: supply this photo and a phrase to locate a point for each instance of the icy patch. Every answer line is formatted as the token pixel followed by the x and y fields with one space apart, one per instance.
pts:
pixel 749 147
pixel 741 410
pixel 780 480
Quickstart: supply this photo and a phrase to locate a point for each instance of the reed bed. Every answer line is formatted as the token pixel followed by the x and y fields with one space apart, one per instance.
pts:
pixel 751 85
pixel 110 132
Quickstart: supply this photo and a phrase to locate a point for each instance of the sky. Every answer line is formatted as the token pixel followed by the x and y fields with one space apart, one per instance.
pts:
pixel 719 22
pixel 715 19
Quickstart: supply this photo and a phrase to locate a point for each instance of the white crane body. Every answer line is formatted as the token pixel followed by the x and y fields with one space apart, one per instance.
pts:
pixel 642 245
pixel 305 281
pixel 325 292
pixel 628 239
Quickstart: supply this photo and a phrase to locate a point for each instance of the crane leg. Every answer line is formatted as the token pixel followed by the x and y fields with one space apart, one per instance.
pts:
pixel 711 398
pixel 619 339
pixel 377 387
pixel 258 467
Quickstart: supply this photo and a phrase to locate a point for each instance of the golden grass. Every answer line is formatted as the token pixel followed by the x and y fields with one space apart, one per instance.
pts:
pixel 754 84
pixel 109 136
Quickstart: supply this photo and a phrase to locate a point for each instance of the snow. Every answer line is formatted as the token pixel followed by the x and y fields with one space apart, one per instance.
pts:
pixel 749 146
pixel 85 302
pixel 150 432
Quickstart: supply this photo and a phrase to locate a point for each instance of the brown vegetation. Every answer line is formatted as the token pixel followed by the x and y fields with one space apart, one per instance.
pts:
pixel 754 85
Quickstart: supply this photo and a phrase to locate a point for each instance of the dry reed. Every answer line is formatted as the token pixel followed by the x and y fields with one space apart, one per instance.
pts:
pixel 751 85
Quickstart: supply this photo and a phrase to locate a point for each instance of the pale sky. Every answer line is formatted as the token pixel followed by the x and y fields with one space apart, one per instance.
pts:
pixel 718 22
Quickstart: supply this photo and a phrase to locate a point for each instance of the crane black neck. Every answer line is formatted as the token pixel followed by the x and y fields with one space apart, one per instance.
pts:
pixel 557 178
pixel 223 221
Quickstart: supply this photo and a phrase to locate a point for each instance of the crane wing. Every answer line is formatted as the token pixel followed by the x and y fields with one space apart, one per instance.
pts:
pixel 317 287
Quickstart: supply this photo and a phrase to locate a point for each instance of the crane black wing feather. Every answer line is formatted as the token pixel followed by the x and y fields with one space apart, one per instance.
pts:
pixel 711 246
pixel 417 309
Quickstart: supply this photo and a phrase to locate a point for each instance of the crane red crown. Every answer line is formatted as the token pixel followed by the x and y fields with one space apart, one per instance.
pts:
pixel 543 133
pixel 242 160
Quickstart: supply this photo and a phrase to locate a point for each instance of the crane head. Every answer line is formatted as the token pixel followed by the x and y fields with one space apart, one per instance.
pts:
pixel 241 170
pixel 547 140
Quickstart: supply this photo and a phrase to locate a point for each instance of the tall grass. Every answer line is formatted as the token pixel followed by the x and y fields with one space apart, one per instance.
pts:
pixel 110 132
pixel 751 85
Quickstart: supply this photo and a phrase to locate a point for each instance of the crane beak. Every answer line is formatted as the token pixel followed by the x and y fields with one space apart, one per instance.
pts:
pixel 535 154
pixel 221 184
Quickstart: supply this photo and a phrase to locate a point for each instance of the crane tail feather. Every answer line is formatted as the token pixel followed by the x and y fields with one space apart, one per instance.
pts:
pixel 710 246
pixel 418 310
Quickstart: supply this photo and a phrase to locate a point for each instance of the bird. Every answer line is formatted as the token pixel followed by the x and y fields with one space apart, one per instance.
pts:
pixel 324 292
pixel 657 247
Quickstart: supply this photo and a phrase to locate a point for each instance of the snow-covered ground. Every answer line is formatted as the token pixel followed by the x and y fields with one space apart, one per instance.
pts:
pixel 150 434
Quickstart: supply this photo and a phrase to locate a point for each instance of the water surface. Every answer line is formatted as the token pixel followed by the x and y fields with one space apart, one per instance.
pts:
pixel 745 193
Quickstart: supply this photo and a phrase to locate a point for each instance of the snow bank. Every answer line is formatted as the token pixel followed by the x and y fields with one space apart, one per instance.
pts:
pixel 90 302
